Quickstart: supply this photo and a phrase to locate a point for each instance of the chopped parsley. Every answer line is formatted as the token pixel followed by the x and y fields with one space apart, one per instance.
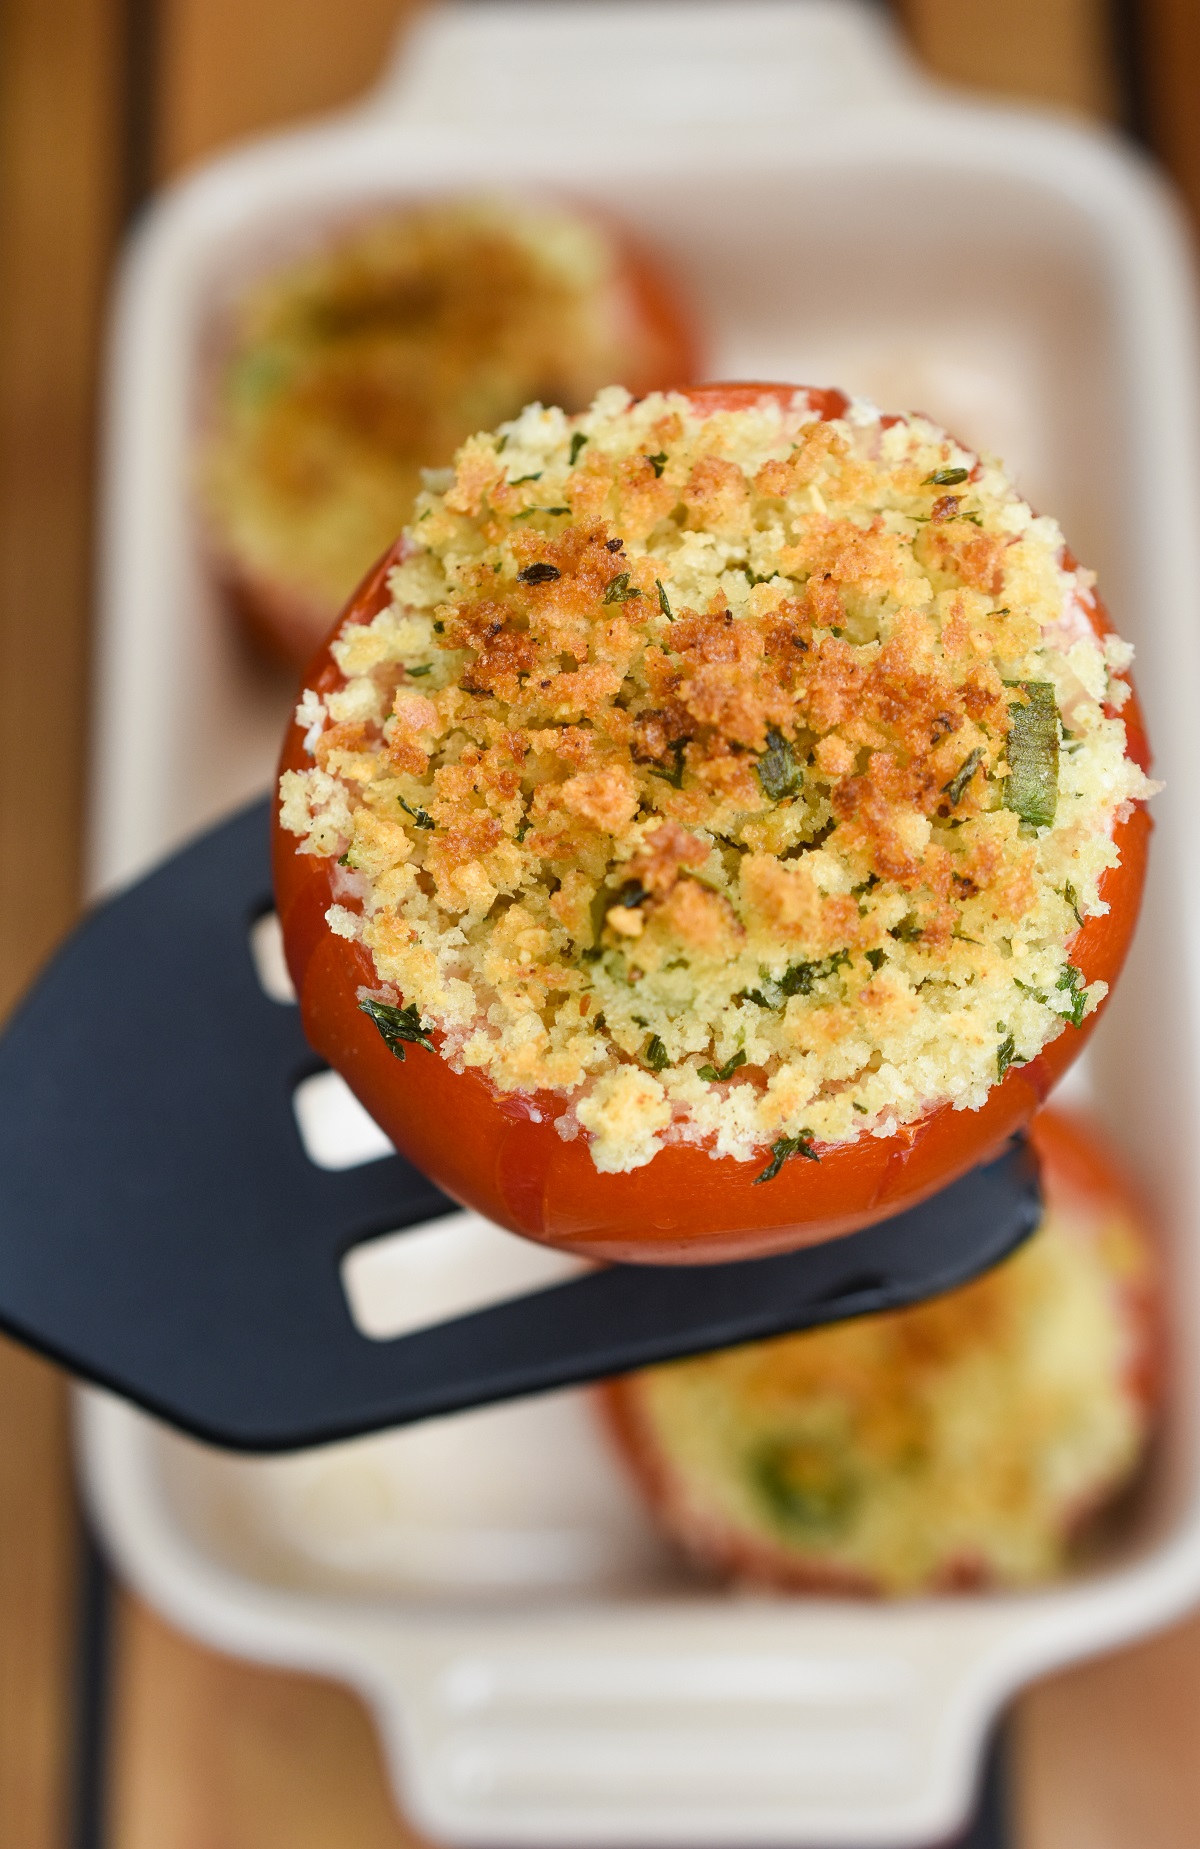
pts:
pixel 658 463
pixel 797 979
pixel 663 605
pixel 782 1148
pixel 655 1055
pixel 523 827
pixel 1072 898
pixel 398 1027
pixel 778 771
pixel 807 1483
pixel 946 478
pixel 518 479
pixel 674 776
pixel 1031 787
pixel 716 1075
pixel 1006 1055
pixel 957 786
pixel 421 817
pixel 877 958
pixel 1072 981
pixel 577 443
pixel 619 589
pixel 425 668
pixel 523 513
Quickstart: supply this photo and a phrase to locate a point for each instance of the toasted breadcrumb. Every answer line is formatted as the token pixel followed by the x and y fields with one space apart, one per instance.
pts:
pixel 703 719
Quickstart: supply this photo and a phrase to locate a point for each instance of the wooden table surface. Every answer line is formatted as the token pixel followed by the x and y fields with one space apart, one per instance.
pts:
pixel 99 100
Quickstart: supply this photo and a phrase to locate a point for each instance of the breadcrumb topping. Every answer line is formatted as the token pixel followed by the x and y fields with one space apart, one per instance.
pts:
pixel 347 369
pixel 674 779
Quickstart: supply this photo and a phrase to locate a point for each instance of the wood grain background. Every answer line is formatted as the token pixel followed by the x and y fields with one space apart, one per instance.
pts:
pixel 97 99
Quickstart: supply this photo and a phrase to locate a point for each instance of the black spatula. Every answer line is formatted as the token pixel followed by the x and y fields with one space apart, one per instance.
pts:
pixel 163 1232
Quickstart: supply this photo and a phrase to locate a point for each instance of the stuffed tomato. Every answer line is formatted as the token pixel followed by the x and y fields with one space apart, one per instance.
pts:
pixel 347 370
pixel 714 825
pixel 968 1441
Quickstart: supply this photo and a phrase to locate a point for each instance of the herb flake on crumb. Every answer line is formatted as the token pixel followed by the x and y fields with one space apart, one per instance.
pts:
pixel 619 589
pixel 716 1075
pixel 656 1056
pixel 1072 981
pixel 782 1148
pixel 778 772
pixel 421 817
pixel 398 1027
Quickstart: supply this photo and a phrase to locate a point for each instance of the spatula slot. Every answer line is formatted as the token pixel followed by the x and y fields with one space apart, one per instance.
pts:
pixel 404 1281
pixel 270 964
pixel 335 1130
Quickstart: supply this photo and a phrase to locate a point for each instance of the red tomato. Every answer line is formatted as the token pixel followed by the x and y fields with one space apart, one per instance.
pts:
pixel 500 1152
pixel 1080 1183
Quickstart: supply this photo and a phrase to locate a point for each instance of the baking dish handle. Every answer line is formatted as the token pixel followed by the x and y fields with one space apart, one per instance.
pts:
pixel 808 1725
pixel 608 66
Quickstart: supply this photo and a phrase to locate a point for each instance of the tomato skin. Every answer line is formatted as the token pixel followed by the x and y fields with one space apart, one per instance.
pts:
pixel 501 1153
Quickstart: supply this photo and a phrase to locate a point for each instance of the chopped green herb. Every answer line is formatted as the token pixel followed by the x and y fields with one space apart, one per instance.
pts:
pixel 856 1106
pixel 673 777
pixel 946 478
pixel 797 979
pixel 344 859
pixel 577 443
pixel 957 786
pixel 655 1055
pixel 663 605
pixel 975 519
pixel 524 512
pixel 619 589
pixel 523 827
pixel 877 958
pixel 658 463
pixel 1073 981
pixel 908 931
pixel 1027 988
pixel 542 572
pixel 425 668
pixel 518 479
pixel 1006 1056
pixel 398 1027
pixel 420 816
pixel 1031 787
pixel 439 629
pixel 806 1483
pixel 753 577
pixel 716 1075
pixel 782 1148
pixel 778 771
pixel 1072 898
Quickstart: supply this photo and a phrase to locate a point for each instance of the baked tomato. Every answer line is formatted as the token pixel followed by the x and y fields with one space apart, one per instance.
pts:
pixel 832 1460
pixel 350 370
pixel 500 1151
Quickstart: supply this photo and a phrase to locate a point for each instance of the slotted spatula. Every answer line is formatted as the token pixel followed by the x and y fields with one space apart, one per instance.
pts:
pixel 163 1232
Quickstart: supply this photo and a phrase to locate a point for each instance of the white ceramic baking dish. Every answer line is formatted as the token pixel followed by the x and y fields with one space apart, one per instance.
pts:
pixel 540 1671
